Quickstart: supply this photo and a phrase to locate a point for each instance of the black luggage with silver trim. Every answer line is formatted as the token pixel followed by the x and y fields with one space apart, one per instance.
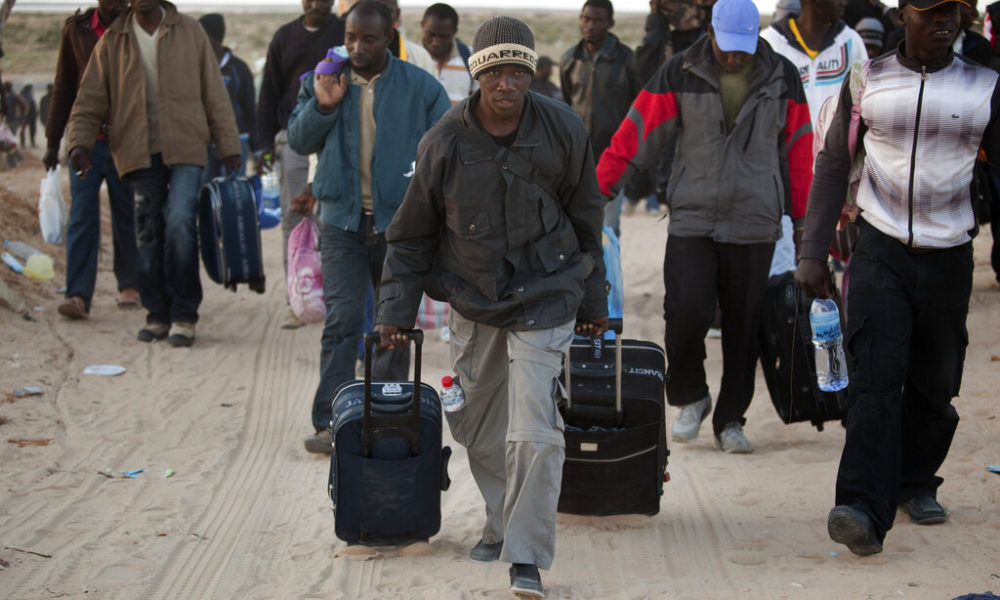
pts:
pixel 616 442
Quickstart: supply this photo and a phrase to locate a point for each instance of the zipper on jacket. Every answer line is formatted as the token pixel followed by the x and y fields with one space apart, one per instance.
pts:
pixel 913 153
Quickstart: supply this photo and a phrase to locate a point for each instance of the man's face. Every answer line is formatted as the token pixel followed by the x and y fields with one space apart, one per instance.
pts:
pixel 594 24
pixel 317 12
pixel 145 7
pixel 503 90
pixel 112 7
pixel 730 62
pixel 828 11
pixel 367 38
pixel 543 72
pixel 438 36
pixel 931 31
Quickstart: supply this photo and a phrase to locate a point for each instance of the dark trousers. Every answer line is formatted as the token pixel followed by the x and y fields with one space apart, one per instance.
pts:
pixel 166 235
pixel 699 273
pixel 905 343
pixel 352 264
pixel 83 233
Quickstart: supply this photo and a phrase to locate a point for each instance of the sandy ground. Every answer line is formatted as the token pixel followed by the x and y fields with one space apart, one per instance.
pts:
pixel 246 513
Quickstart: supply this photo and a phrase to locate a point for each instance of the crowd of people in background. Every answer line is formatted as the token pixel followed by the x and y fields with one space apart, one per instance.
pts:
pixel 430 167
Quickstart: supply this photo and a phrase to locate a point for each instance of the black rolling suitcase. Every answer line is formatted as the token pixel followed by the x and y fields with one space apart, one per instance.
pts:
pixel 229 229
pixel 788 359
pixel 387 468
pixel 616 441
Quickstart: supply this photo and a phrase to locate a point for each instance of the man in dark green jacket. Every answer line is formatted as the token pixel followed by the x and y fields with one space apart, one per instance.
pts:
pixel 503 220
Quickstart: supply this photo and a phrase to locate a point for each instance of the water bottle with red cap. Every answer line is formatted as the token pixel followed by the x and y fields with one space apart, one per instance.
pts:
pixel 452 396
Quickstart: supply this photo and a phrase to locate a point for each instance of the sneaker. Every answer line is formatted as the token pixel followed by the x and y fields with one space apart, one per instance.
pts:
pixel 714 333
pixel 153 331
pixel 291 321
pixel 688 422
pixel 181 335
pixel 483 552
pixel 853 528
pixel 924 510
pixel 73 308
pixel 525 581
pixel 320 442
pixel 732 440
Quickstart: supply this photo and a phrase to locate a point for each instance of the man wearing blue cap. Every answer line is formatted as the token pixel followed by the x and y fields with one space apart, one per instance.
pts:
pixel 925 114
pixel 743 159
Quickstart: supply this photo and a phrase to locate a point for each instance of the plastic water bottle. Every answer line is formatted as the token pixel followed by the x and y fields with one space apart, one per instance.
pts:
pixel 270 198
pixel 452 396
pixel 831 368
pixel 20 249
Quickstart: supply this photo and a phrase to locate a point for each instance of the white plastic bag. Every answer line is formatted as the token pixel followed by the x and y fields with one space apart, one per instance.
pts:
pixel 52 215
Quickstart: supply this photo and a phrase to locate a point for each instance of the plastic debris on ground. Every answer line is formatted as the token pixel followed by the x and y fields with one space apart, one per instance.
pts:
pixel 20 249
pixel 168 473
pixel 993 468
pixel 109 370
pixel 134 473
pixel 39 267
pixel 14 264
pixel 28 390
pixel 11 298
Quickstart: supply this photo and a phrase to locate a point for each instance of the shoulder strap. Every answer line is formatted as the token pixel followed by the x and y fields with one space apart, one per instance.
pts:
pixel 509 161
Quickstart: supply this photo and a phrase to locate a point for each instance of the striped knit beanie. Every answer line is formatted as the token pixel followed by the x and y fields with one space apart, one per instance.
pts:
pixel 502 41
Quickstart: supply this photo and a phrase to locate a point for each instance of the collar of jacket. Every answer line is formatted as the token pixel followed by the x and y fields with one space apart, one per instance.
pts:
pixel 528 134
pixel 82 17
pixel 123 24
pixel 915 65
pixel 828 40
pixel 699 60
pixel 612 44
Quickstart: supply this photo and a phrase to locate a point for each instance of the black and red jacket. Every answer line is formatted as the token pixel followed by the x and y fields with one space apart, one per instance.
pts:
pixel 732 186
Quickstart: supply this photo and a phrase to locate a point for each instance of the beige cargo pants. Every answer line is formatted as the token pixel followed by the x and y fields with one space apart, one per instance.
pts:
pixel 512 430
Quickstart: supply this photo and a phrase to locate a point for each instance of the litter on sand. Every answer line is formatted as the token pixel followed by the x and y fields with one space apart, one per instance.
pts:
pixel 109 370
pixel 133 473
pixel 168 473
pixel 28 390
pixel 993 468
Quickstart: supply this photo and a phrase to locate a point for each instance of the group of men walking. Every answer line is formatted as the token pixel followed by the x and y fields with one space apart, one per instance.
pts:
pixel 438 172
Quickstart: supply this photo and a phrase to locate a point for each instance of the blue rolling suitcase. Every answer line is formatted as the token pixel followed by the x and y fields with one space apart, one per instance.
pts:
pixel 387 467
pixel 229 232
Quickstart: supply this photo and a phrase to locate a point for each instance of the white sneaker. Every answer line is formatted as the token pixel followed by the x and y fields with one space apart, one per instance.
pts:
pixel 687 423
pixel 732 440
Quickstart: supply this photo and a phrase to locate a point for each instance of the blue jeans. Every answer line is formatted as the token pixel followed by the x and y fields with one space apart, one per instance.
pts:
pixel 83 233
pixel 213 164
pixel 351 260
pixel 166 214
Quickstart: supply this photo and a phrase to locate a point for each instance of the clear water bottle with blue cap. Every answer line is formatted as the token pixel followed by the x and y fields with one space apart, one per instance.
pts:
pixel 828 341
pixel 270 198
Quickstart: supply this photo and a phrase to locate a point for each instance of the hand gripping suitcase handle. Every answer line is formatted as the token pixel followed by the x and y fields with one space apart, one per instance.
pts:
pixel 372 338
pixel 616 326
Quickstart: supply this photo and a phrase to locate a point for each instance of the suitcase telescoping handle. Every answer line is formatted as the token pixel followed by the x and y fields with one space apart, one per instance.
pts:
pixel 616 326
pixel 409 423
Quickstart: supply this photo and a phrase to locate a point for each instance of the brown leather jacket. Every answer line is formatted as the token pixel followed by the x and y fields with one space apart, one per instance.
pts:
pixel 194 106
pixel 75 47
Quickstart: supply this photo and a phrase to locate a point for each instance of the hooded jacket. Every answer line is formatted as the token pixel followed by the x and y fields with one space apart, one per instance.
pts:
pixel 194 106
pixel 821 76
pixel 500 249
pixel 729 186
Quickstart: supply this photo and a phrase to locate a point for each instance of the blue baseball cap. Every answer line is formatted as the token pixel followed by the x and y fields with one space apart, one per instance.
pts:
pixel 736 24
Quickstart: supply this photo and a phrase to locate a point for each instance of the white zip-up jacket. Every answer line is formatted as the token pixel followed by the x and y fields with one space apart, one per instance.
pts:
pixel 821 76
pixel 922 127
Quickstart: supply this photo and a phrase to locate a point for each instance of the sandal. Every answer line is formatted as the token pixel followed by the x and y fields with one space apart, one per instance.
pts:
pixel 129 300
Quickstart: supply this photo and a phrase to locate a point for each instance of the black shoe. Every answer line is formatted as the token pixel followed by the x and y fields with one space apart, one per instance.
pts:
pixel 924 510
pixel 525 581
pixel 152 332
pixel 484 552
pixel 853 528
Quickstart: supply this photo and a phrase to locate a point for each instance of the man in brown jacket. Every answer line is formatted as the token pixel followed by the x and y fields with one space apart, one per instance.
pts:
pixel 154 79
pixel 83 233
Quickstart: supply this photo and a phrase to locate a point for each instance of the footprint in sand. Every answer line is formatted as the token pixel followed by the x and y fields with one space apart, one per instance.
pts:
pixel 357 552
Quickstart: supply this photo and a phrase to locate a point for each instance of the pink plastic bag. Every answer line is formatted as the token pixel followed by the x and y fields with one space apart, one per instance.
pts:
pixel 305 275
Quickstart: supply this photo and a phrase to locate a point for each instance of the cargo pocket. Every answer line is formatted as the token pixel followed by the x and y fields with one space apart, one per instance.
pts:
pixel 858 344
